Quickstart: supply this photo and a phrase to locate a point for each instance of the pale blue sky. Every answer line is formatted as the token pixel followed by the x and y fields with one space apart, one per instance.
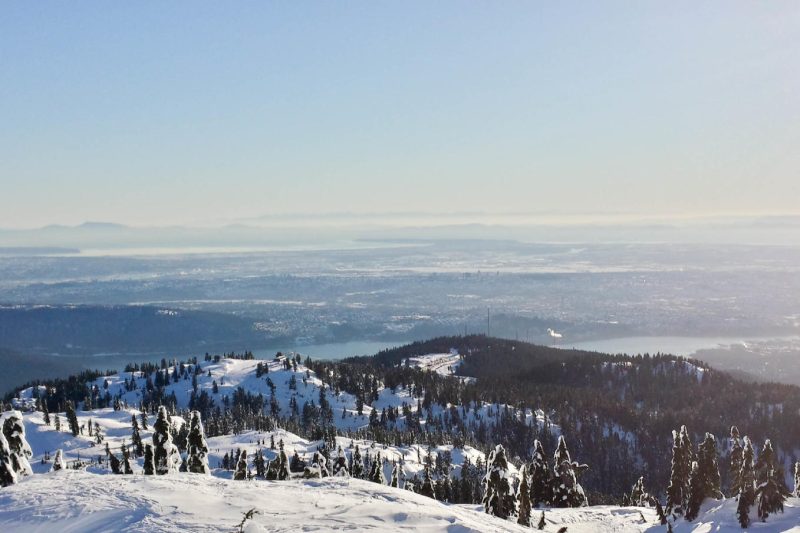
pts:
pixel 172 112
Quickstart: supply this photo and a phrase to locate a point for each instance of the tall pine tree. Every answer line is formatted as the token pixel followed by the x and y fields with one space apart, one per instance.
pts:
pixel 735 456
pixel 165 454
pixel 197 461
pixel 539 474
pixel 566 490
pixel 497 495
pixel 747 485
pixel 524 499
pixel 771 491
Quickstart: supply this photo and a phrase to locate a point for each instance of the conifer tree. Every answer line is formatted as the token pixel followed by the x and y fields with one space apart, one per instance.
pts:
pixel 539 474
pixel 708 463
pixel 497 498
pixel 747 492
pixel 639 497
pixel 116 465
pixel 566 490
pixel 704 480
pixel 8 476
pixel 426 487
pixel 696 494
pixel 524 499
pixel 797 479
pixel 58 461
pixel 127 466
pixel 357 470
pixel 165 454
pixel 241 467
pixel 542 522
pixel 260 464
pixel 72 419
pixel 136 439
pixel 318 467
pixel 45 413
pixel 771 491
pixel 395 482
pixel 197 461
pixel 735 456
pixel 149 464
pixel 18 450
pixel 376 474
pixel 283 464
pixel 340 464
pixel 678 489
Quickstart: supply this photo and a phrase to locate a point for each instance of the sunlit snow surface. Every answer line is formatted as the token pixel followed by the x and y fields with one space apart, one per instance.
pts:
pixel 71 501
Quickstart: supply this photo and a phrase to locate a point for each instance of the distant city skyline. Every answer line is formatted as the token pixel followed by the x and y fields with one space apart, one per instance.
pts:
pixel 154 114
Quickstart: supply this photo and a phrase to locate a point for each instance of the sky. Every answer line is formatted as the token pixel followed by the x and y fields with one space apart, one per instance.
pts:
pixel 150 113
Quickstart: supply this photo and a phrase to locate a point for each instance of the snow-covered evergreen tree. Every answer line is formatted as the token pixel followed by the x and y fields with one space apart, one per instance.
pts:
pixel 197 461
pixel 524 499
pixel 113 460
pixel 498 499
pixel 339 468
pixel 240 474
pixel 426 487
pixel 696 494
pixel 539 474
pixel 318 467
pixel 376 474
pixel 747 488
pixel 136 439
pixel 15 452
pixel 797 479
pixel 678 489
pixel 58 461
pixel 127 465
pixel 708 463
pixel 735 456
pixel 566 491
pixel 283 464
pixel 639 497
pixel 260 464
pixel 357 470
pixel 704 479
pixel 72 419
pixel 8 476
pixel 165 453
pixel 149 464
pixel 395 482
pixel 771 491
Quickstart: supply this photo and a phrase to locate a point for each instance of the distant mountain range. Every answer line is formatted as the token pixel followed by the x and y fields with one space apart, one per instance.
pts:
pixel 307 230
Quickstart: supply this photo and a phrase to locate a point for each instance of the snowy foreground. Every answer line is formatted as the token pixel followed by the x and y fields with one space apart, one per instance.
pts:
pixel 84 502
pixel 79 501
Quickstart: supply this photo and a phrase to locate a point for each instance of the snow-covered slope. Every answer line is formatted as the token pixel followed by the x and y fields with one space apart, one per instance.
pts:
pixel 70 501
pixel 82 502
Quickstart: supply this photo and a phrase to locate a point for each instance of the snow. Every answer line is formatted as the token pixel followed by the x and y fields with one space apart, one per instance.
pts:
pixel 79 501
pixel 444 364
pixel 94 500
pixel 75 501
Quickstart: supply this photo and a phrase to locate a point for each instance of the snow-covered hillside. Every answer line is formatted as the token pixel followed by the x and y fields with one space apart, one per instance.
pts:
pixel 92 499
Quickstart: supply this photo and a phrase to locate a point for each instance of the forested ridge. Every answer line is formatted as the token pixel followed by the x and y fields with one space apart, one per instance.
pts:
pixel 617 412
